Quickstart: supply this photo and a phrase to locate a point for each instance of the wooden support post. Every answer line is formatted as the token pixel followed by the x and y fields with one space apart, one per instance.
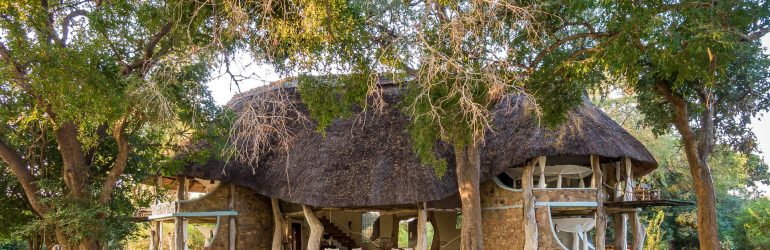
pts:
pixel 278 221
pixel 436 243
pixel 179 232
pixel 601 220
pixel 637 229
pixel 233 226
pixel 180 243
pixel 620 220
pixel 160 235
pixel 154 236
pixel 422 227
pixel 541 162
pixel 530 223
pixel 316 229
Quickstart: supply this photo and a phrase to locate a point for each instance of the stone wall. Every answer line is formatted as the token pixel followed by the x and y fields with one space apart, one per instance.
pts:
pixel 254 222
pixel 492 195
pixel 503 219
pixel 503 229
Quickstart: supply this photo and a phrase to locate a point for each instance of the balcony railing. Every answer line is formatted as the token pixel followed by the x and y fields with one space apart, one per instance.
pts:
pixel 165 208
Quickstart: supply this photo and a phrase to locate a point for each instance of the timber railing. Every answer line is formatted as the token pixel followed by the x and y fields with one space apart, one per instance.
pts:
pixel 165 208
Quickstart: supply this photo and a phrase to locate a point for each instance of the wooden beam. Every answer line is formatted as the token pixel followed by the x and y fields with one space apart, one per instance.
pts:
pixel 530 223
pixel 422 227
pixel 278 221
pixel 601 220
pixel 316 229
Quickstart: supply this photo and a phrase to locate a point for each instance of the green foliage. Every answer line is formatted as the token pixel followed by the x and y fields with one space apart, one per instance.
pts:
pixel 334 97
pixel 735 178
pixel 654 233
pixel 755 220
pixel 131 62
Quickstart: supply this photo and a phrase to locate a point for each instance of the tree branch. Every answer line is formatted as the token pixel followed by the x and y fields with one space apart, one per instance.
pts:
pixel 65 27
pixel 119 133
pixel 149 51
pixel 562 41
pixel 22 173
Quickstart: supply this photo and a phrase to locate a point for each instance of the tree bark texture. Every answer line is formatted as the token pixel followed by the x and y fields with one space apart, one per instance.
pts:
pixel 697 148
pixel 468 173
pixel 422 228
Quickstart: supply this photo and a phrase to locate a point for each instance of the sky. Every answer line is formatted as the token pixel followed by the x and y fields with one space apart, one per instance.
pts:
pixel 222 90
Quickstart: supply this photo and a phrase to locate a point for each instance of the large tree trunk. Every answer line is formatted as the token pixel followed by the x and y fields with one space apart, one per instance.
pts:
pixel 697 147
pixel 468 173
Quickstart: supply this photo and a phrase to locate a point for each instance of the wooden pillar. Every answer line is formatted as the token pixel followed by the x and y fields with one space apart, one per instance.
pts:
pixel 180 242
pixel 233 226
pixel 422 227
pixel 601 220
pixel 541 163
pixel 637 229
pixel 394 232
pixel 620 220
pixel 436 243
pixel 530 224
pixel 160 235
pixel 155 235
pixel 278 222
pixel 316 229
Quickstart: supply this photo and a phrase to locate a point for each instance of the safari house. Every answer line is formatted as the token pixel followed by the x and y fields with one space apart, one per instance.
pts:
pixel 361 181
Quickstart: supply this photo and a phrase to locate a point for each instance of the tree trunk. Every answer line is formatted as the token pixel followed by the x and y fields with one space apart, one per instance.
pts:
pixel 89 244
pixel 436 242
pixel 528 207
pixel 697 148
pixel 278 221
pixel 316 229
pixel 468 173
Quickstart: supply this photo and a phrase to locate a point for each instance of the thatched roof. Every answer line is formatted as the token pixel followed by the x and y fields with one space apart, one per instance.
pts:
pixel 367 160
pixel 518 136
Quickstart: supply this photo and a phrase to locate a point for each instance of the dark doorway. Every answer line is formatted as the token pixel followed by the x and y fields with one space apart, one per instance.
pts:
pixel 296 236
